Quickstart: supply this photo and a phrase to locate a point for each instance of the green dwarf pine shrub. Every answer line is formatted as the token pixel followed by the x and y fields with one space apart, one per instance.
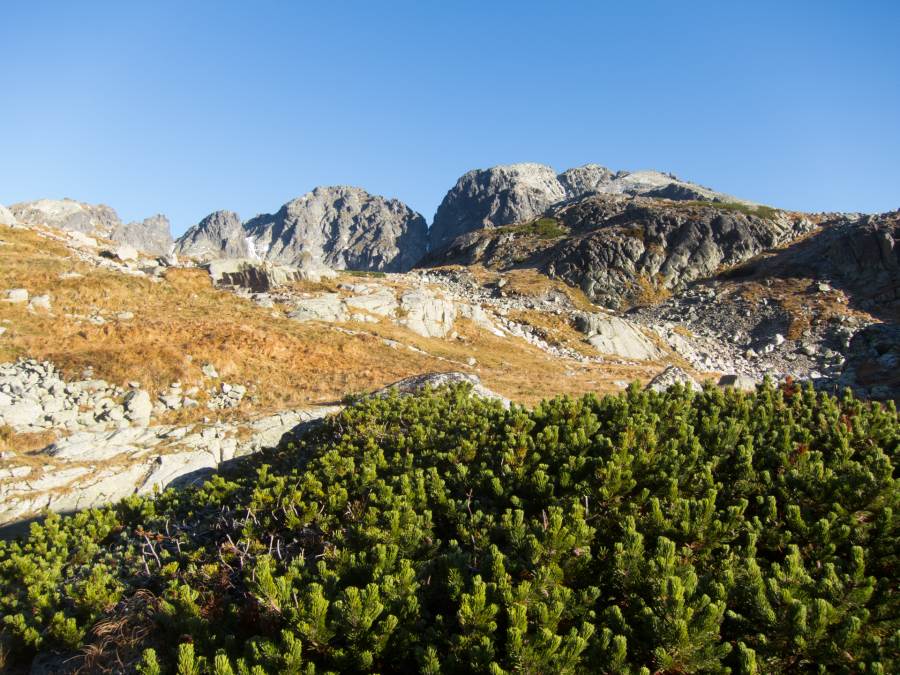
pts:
pixel 439 533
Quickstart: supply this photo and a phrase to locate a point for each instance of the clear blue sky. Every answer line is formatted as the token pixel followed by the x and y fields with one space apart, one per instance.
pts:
pixel 152 106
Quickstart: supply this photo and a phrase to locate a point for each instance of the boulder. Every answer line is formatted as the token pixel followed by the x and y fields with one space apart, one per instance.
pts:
pixel 426 314
pixel 418 383
pixel 670 376
pixel 138 406
pixel 21 415
pixel 742 382
pixel 326 307
pixel 16 295
pixel 123 252
pixel 261 276
pixel 618 337
pixel 382 302
pixel 39 303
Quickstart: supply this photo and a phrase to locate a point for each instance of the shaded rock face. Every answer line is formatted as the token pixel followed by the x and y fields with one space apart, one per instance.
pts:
pixel 517 193
pixel 859 255
pixel 872 368
pixel 152 235
pixel 67 214
pixel 344 227
pixel 628 250
pixel 219 235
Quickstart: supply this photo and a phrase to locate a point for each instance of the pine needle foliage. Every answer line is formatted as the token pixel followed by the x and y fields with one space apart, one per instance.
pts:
pixel 641 533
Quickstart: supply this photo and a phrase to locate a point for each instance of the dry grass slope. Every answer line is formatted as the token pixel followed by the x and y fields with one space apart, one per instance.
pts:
pixel 183 322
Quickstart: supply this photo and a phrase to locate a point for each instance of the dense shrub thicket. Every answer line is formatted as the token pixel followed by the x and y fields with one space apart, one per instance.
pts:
pixel 645 532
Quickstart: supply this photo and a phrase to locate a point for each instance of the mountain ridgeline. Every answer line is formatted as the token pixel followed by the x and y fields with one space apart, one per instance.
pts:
pixel 627 239
pixel 349 228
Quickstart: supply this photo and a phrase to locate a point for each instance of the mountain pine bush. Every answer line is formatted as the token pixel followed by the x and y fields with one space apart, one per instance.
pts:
pixel 439 533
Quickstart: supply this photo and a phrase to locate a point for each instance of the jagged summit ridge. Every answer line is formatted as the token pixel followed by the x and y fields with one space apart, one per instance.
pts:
pixel 344 227
pixel 152 235
pixel 514 193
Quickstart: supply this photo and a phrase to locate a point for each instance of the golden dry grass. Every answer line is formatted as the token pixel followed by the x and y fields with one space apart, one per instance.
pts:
pixel 183 322
pixel 24 442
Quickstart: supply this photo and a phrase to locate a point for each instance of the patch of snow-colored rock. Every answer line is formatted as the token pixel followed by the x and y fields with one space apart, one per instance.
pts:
pixel 426 314
pixel 616 336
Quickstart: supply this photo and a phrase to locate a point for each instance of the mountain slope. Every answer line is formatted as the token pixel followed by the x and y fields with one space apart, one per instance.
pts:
pixel 622 250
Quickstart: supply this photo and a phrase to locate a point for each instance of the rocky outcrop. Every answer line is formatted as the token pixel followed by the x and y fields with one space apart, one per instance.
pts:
pixel 625 250
pixel 67 214
pixel 518 193
pixel 152 235
pixel 859 255
pixel 618 337
pixel 344 227
pixel 494 197
pixel 219 235
pixel 260 276
pixel 97 467
pixel 673 375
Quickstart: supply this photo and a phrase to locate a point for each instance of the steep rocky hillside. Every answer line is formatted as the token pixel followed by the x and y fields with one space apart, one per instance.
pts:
pixel 344 227
pixel 624 250
pixel 516 193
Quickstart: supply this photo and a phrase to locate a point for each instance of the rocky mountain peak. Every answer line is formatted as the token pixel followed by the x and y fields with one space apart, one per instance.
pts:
pixel 219 235
pixel 493 197
pixel 152 234
pixel 67 214
pixel 584 179
pixel 344 227
pixel 517 193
